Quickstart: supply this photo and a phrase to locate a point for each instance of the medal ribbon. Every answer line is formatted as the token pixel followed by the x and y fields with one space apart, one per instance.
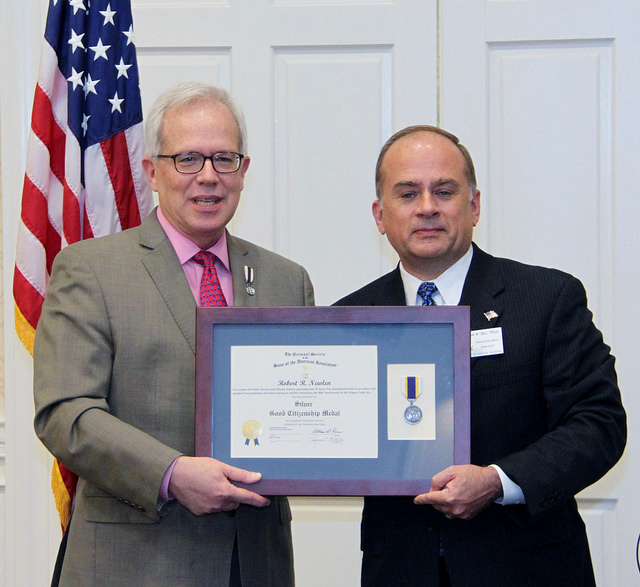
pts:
pixel 411 388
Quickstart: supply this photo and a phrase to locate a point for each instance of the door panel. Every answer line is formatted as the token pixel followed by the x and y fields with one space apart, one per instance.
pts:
pixel 545 93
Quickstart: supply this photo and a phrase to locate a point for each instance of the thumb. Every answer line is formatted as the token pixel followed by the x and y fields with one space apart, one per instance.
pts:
pixel 440 480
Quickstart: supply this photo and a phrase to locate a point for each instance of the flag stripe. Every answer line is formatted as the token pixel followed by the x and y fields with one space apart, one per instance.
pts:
pixel 116 155
pixel 49 132
pixel 37 224
pixel 33 266
pixel 42 191
pixel 100 203
pixel 31 297
pixel 135 148
pixel 71 218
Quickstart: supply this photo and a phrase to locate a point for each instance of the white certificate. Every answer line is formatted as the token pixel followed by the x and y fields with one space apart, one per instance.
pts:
pixel 304 401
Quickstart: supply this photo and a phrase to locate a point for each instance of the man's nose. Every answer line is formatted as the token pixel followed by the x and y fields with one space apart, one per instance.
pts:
pixel 426 204
pixel 208 172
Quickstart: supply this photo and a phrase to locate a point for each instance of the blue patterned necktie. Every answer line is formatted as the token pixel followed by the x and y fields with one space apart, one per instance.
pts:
pixel 426 291
pixel 210 290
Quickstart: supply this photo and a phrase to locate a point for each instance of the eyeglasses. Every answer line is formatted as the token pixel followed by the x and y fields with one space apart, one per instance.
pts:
pixel 193 162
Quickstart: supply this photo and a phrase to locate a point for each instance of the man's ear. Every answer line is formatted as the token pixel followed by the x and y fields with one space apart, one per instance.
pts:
pixel 149 167
pixel 475 206
pixel 376 209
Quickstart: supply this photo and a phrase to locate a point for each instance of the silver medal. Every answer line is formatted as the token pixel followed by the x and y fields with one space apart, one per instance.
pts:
pixel 413 414
pixel 248 279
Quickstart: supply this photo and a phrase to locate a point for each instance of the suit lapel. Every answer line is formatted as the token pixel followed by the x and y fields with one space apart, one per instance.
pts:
pixel 481 291
pixel 239 257
pixel 161 262
pixel 389 290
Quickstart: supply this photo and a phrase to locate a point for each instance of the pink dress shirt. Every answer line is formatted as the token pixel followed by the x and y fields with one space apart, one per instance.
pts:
pixel 186 249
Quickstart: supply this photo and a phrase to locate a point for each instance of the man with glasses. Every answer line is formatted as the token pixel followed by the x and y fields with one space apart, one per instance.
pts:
pixel 546 415
pixel 115 370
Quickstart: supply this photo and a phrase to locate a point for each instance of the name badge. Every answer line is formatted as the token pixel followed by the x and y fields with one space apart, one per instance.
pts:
pixel 487 341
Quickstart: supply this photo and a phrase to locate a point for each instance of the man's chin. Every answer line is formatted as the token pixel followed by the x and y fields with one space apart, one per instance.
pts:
pixel 428 251
pixel 207 235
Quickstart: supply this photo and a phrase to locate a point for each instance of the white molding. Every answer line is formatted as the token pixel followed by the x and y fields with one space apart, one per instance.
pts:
pixel 28 537
pixel 320 557
pixel 3 492
pixel 3 449
pixel 599 516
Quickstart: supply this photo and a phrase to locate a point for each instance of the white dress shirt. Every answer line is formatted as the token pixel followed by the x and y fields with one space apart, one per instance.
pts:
pixel 450 284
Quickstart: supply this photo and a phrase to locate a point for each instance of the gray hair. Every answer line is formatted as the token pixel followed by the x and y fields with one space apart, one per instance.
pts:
pixel 184 94
pixel 469 170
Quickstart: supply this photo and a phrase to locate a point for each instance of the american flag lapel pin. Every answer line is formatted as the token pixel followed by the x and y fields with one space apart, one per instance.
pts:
pixel 490 315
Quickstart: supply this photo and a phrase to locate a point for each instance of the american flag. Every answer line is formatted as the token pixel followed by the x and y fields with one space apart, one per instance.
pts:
pixel 84 176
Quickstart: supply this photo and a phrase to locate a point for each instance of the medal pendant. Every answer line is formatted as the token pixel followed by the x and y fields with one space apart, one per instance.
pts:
pixel 413 414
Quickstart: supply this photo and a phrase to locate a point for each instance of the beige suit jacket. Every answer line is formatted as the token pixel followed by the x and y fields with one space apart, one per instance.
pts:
pixel 114 377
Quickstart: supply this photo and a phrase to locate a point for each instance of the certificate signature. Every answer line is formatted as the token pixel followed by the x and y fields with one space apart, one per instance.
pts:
pixel 332 435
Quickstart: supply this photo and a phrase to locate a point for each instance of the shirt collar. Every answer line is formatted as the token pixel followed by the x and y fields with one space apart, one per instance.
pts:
pixel 449 284
pixel 185 248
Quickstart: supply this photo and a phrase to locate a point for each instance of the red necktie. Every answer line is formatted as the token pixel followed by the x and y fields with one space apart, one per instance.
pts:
pixel 210 290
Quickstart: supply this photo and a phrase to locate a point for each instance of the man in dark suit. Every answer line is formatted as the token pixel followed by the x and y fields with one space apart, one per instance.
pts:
pixel 115 371
pixel 546 415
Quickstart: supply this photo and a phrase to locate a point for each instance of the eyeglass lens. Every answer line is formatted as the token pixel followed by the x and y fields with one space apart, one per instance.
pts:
pixel 193 162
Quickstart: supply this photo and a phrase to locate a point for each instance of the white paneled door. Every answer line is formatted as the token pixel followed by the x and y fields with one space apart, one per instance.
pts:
pixel 545 93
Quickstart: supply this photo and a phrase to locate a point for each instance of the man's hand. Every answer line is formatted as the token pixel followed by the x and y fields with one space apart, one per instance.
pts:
pixel 203 486
pixel 462 491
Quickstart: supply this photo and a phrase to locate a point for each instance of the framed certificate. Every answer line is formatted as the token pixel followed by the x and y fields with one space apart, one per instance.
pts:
pixel 334 400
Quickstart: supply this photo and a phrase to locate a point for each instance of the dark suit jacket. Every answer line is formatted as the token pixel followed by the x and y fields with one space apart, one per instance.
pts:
pixel 547 411
pixel 114 392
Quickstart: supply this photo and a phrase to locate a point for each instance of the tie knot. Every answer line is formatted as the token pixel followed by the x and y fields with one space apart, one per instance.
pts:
pixel 204 258
pixel 426 291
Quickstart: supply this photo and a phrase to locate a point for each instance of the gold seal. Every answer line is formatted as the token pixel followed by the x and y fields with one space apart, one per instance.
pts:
pixel 251 430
